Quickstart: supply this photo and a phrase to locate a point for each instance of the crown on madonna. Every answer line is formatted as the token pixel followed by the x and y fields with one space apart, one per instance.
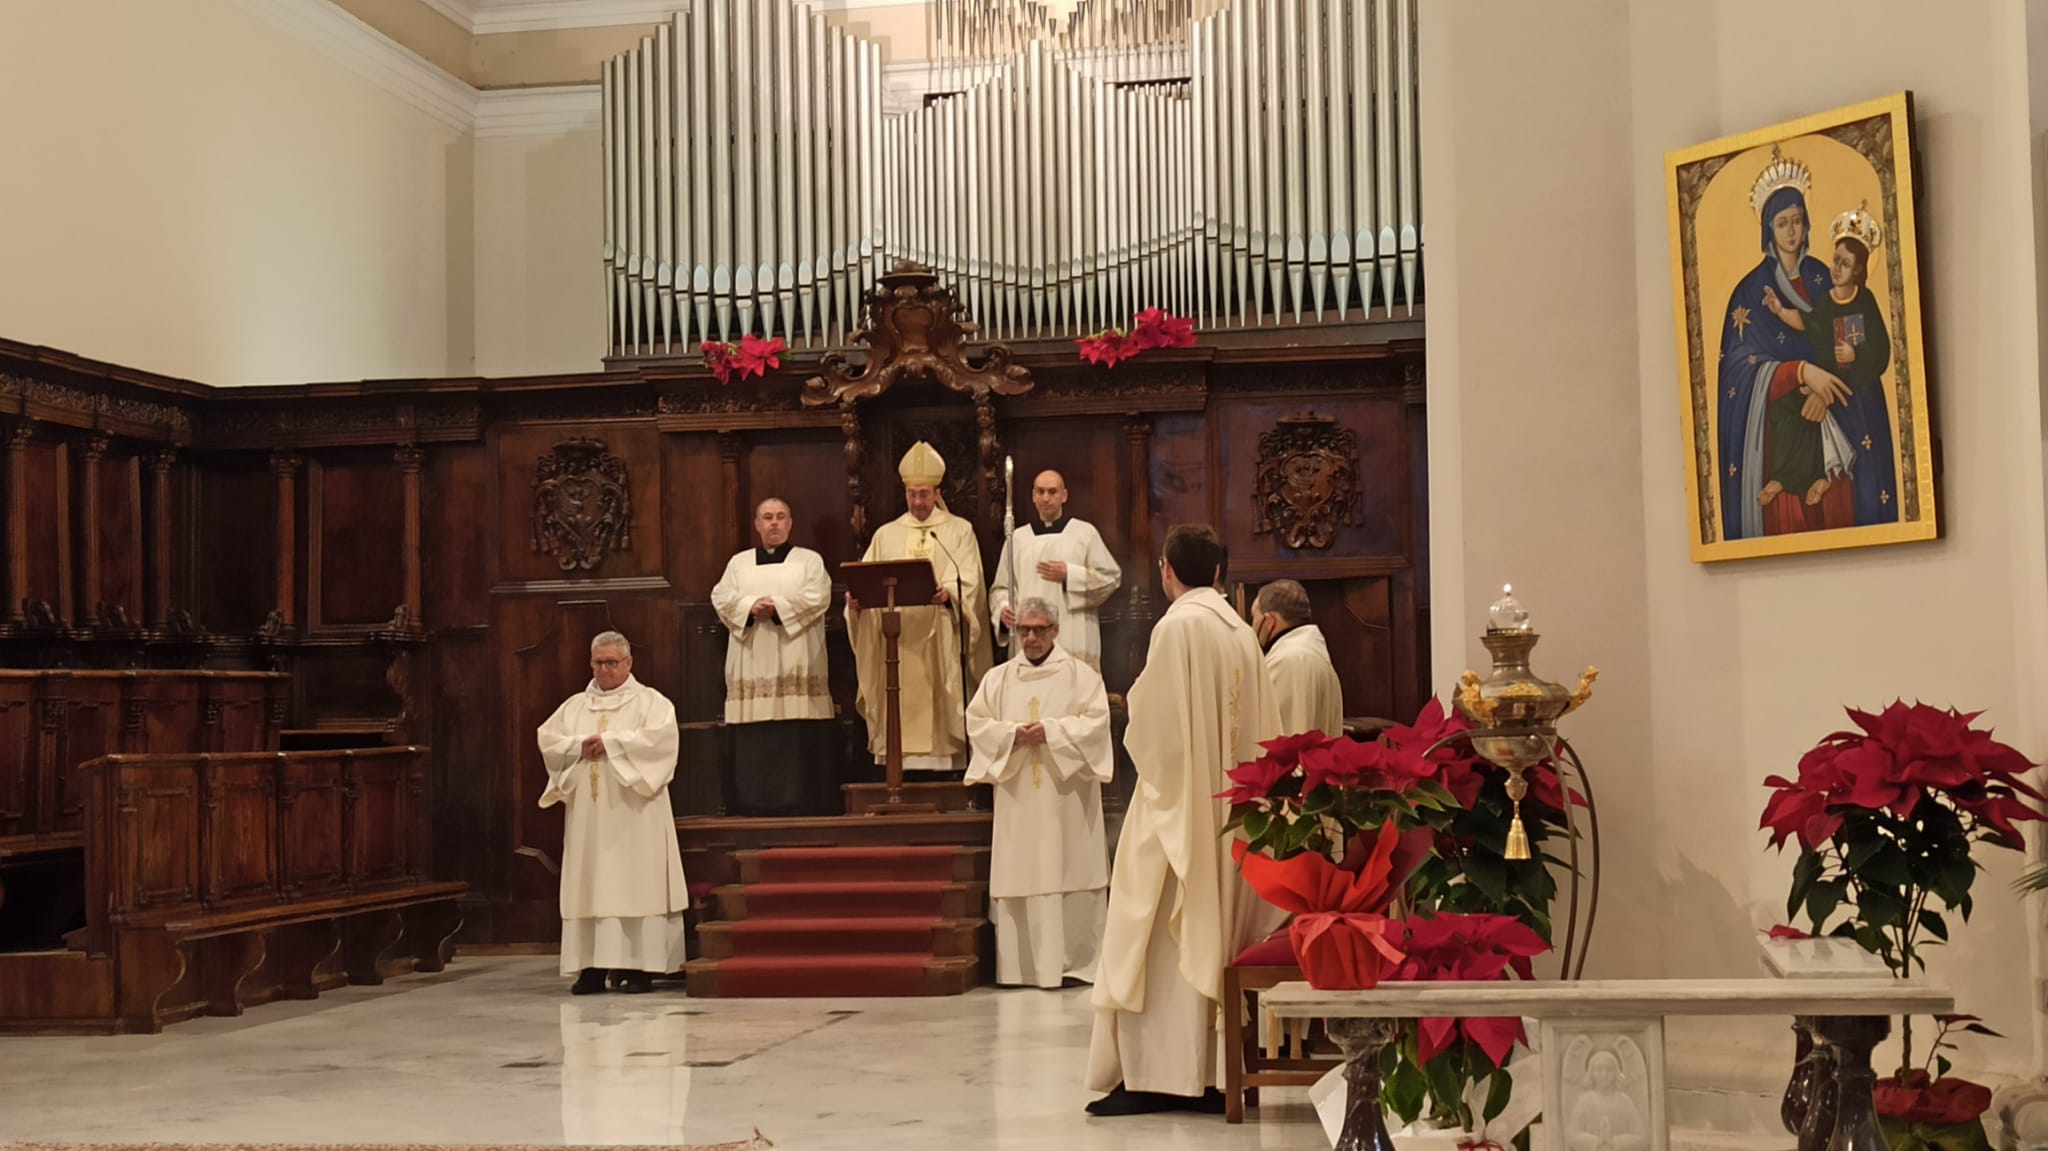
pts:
pixel 1779 173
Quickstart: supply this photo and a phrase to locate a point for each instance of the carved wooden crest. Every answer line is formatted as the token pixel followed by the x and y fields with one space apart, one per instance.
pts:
pixel 1307 480
pixel 914 330
pixel 582 505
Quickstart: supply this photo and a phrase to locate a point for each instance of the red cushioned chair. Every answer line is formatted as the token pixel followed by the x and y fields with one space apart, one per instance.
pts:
pixel 1246 1066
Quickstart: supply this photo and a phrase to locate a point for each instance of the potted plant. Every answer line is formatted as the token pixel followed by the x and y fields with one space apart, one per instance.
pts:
pixel 1330 830
pixel 1886 818
pixel 1473 914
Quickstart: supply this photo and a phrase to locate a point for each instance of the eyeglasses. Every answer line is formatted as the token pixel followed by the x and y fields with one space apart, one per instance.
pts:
pixel 608 664
pixel 1038 629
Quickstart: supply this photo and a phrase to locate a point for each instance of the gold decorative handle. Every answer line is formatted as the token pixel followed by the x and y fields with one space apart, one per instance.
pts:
pixel 1584 691
pixel 1476 705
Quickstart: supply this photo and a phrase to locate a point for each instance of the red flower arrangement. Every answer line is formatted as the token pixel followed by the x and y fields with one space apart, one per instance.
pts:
pixel 752 356
pixel 1151 328
pixel 1438 1059
pixel 1885 818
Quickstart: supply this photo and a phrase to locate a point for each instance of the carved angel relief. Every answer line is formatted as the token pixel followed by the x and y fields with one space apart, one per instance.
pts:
pixel 582 505
pixel 1307 480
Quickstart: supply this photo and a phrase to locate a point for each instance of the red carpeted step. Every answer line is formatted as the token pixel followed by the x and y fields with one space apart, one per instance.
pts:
pixel 832 937
pixel 789 900
pixel 841 864
pixel 819 976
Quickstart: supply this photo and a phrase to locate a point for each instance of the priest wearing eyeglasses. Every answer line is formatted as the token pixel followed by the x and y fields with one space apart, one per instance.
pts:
pixel 1039 729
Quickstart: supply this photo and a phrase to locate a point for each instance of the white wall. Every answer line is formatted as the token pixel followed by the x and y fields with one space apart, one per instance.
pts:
pixel 1558 330
pixel 192 191
pixel 540 292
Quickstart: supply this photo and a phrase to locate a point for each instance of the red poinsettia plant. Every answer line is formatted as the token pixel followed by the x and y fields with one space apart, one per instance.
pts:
pixel 1436 1061
pixel 1151 328
pixel 1885 818
pixel 1331 829
pixel 751 356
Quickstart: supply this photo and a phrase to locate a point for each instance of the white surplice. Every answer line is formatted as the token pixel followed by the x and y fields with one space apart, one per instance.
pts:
pixel 1178 909
pixel 1310 696
pixel 623 895
pixel 1049 867
pixel 775 668
pixel 1092 577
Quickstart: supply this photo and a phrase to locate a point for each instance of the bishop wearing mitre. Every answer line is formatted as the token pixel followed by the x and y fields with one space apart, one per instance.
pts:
pixel 1063 561
pixel 610 751
pixel 1040 730
pixel 935 686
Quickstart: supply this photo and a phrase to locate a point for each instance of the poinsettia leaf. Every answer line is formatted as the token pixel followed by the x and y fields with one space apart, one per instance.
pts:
pixel 1980 1029
pixel 1941 1066
pixel 1886 867
pixel 1822 901
pixel 1256 824
pixel 1932 923
pixel 1499 1086
pixel 1805 873
pixel 1880 908
pixel 1446 1078
pixel 1489 875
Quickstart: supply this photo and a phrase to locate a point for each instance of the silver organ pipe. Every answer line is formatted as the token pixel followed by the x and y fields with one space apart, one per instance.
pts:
pixel 1240 162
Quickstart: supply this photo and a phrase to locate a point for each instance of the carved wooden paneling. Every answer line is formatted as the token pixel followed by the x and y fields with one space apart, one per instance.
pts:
pixel 155 823
pixel 1379 424
pixel 120 537
pixel 525 551
pixel 1182 484
pixel 90 723
pixel 697 544
pixel 375 816
pixel 355 535
pixel 236 542
pixel 312 850
pixel 20 737
pixel 168 712
pixel 48 506
pixel 239 836
pixel 458 555
pixel 237 715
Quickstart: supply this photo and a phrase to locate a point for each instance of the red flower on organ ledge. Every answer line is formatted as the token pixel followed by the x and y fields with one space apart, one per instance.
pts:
pixel 1151 328
pixel 752 356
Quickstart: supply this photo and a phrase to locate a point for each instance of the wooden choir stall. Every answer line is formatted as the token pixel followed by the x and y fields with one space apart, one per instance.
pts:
pixel 382 588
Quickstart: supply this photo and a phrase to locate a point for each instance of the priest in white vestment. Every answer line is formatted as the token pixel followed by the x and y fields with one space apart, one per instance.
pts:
pixel 1039 726
pixel 610 752
pixel 935 685
pixel 1063 561
pixel 778 697
pixel 1310 696
pixel 1178 909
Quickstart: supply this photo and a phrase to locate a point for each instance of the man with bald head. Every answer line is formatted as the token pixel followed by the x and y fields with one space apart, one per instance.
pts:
pixel 778 700
pixel 1061 560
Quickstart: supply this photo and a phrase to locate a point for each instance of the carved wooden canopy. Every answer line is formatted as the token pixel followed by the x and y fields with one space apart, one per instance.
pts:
pixel 915 330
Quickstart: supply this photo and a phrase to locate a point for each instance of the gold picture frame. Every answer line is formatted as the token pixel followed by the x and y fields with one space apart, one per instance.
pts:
pixel 1807 426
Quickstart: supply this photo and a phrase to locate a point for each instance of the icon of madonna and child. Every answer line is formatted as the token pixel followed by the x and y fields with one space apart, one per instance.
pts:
pixel 1805 435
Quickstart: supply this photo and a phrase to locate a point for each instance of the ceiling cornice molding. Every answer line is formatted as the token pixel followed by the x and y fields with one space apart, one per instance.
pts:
pixel 539 111
pixel 461 13
pixel 372 55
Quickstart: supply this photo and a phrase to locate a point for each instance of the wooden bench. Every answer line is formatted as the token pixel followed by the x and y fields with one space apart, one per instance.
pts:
pixel 1603 1042
pixel 218 882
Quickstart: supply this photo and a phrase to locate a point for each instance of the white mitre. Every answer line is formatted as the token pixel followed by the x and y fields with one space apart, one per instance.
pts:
pixel 921 466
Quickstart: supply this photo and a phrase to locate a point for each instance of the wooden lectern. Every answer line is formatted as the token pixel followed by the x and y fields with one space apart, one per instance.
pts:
pixel 884 586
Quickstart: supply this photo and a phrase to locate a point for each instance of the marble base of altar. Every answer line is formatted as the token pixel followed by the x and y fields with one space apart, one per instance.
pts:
pixel 1603 1046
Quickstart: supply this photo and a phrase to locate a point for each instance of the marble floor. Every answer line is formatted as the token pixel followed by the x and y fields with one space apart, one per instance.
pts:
pixel 493 1050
